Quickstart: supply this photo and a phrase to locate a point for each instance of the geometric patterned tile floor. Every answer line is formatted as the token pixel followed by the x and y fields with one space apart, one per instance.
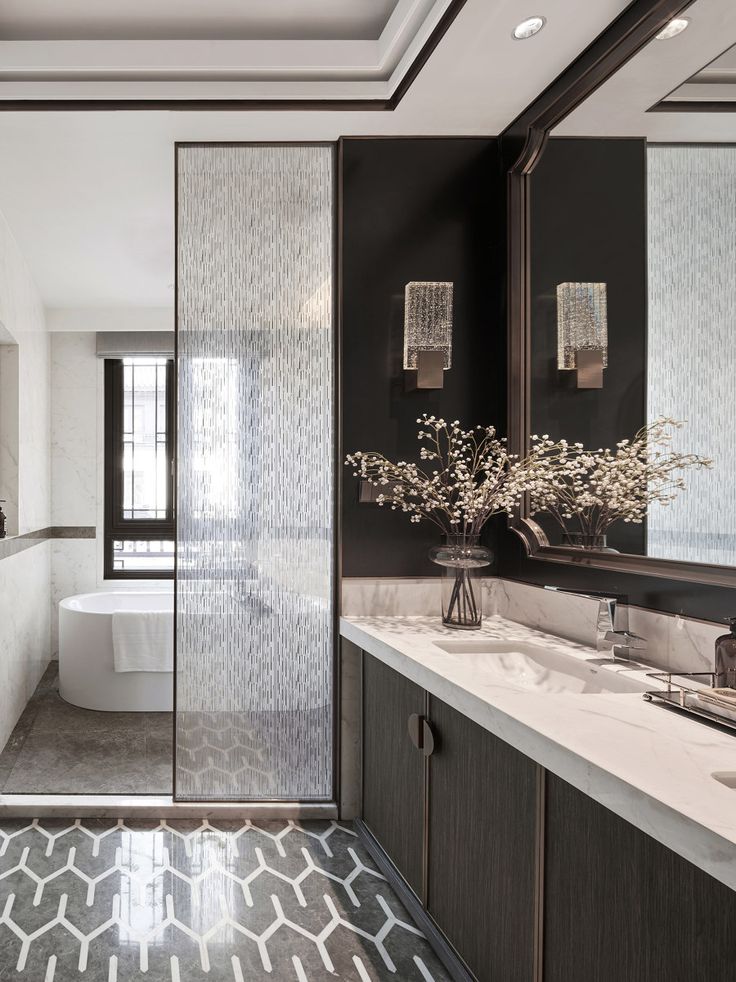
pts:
pixel 178 901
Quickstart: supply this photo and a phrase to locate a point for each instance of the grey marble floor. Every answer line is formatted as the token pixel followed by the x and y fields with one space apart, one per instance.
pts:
pixel 56 748
pixel 125 901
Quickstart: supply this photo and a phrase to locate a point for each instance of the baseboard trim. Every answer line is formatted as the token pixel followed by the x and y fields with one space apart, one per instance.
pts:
pixel 454 964
pixel 156 806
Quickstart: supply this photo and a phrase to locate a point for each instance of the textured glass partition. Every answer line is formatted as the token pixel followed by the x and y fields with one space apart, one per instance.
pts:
pixel 691 201
pixel 254 630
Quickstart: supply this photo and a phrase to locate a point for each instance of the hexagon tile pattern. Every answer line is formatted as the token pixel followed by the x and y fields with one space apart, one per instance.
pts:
pixel 164 901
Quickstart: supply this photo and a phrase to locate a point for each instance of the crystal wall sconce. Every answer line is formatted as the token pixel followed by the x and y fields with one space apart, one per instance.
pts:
pixel 427 334
pixel 582 332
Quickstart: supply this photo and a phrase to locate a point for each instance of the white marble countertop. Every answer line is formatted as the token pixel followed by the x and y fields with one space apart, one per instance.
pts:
pixel 650 765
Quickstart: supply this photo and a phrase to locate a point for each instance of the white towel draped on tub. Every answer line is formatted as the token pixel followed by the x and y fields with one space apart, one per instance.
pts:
pixel 143 641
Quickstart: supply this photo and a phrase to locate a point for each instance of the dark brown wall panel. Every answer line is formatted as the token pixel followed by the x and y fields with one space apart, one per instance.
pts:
pixel 415 209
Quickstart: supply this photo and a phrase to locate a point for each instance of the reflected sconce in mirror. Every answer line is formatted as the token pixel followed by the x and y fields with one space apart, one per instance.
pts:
pixel 427 334
pixel 582 332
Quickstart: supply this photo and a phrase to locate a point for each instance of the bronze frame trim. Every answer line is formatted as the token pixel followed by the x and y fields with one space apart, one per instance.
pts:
pixel 522 144
pixel 387 104
pixel 539 867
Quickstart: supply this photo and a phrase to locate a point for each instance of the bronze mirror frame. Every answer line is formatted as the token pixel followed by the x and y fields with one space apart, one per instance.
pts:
pixel 523 143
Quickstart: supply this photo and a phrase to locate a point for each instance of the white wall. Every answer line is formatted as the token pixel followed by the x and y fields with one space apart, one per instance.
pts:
pixel 25 632
pixel 77 442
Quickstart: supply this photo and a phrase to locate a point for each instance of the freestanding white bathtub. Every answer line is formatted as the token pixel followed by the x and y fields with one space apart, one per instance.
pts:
pixel 87 676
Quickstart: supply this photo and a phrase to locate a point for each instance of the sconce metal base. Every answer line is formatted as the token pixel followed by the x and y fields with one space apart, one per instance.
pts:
pixel 589 366
pixel 429 373
pixel 368 493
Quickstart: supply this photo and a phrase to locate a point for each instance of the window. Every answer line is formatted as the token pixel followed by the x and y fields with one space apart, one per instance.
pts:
pixel 139 483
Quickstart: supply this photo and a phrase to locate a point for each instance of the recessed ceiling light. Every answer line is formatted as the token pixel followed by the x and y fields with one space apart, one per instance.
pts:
pixel 528 28
pixel 671 30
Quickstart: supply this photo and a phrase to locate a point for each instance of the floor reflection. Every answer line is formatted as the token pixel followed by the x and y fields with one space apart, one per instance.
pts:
pixel 114 901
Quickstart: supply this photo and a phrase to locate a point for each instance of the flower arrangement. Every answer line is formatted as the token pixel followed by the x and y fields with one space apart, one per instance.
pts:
pixel 463 478
pixel 469 476
pixel 586 491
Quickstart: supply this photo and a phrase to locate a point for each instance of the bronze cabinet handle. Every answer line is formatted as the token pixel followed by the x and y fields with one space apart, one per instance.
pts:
pixel 420 733
pixel 427 738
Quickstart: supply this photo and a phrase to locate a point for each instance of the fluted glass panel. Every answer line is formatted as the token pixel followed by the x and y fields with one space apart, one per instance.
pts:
pixel 254 630
pixel 692 312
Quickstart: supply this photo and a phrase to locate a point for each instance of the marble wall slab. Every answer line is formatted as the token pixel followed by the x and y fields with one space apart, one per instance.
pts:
pixel 25 622
pixel 25 626
pixel 22 316
pixel 674 643
pixel 73 571
pixel 76 445
pixel 75 418
pixel 390 596
pixel 9 404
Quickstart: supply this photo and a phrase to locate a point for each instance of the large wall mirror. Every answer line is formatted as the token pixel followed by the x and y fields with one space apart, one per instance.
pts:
pixel 630 305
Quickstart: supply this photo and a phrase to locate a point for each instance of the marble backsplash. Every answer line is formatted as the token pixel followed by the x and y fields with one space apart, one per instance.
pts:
pixel 673 643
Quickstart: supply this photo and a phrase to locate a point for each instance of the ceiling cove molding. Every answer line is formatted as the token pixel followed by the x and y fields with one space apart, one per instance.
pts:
pixel 47 75
pixel 691 106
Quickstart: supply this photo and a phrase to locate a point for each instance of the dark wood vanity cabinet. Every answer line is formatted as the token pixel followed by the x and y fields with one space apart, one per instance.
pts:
pixel 393 769
pixel 458 824
pixel 621 907
pixel 529 879
pixel 482 829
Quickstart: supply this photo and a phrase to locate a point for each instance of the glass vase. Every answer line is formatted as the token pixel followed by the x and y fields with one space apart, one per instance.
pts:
pixel 461 557
pixel 584 540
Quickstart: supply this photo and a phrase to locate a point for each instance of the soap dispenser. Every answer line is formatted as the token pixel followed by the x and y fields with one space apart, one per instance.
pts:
pixel 726 657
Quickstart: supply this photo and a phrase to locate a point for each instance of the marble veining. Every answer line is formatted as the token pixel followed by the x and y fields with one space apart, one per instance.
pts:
pixel 674 643
pixel 74 422
pixel 24 575
pixel 646 763
pixel 24 630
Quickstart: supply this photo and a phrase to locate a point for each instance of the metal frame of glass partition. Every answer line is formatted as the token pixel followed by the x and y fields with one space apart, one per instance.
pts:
pixel 523 142
pixel 334 797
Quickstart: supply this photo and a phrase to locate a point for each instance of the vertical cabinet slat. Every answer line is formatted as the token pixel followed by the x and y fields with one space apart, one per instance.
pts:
pixel 482 827
pixel 393 768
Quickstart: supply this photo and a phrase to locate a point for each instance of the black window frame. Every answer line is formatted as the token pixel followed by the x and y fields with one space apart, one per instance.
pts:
pixel 118 528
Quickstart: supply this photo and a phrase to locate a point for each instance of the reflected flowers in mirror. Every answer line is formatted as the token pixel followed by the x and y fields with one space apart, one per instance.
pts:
pixel 587 491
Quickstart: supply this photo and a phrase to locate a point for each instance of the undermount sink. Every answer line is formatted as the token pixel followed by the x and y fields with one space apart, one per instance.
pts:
pixel 541 669
pixel 726 778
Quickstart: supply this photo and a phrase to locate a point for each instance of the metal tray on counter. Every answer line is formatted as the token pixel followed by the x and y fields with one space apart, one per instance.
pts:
pixel 677 689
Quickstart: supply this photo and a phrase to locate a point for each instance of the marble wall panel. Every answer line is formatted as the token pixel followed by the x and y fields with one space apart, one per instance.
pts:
pixel 24 630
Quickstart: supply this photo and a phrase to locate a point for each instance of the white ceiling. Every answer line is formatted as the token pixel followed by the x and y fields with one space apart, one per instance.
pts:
pixel 694 66
pixel 297 49
pixel 89 195
pixel 177 19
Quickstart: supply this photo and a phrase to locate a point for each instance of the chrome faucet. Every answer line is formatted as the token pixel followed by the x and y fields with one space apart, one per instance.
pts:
pixel 612 624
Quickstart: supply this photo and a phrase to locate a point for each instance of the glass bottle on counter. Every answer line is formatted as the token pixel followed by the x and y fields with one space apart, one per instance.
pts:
pixel 726 658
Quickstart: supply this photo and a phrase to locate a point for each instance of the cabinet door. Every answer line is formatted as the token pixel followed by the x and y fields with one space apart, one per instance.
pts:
pixel 621 907
pixel 482 834
pixel 393 769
